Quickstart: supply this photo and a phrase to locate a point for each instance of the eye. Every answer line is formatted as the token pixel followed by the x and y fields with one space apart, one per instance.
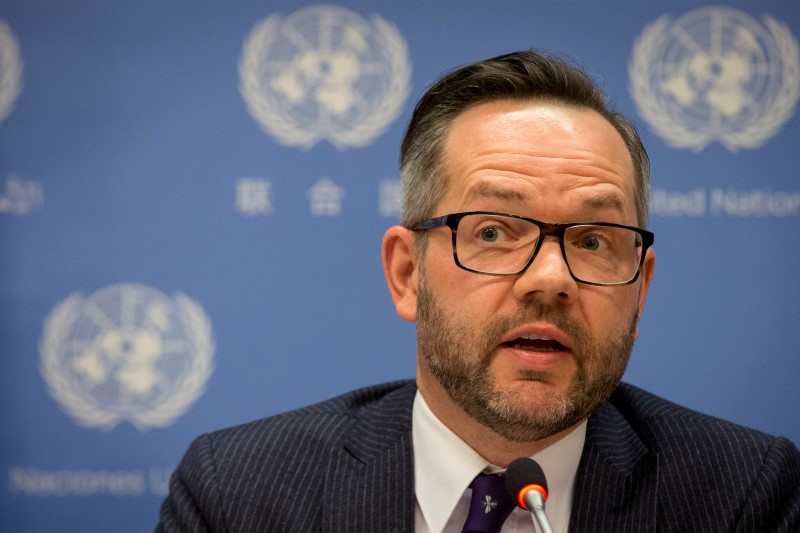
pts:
pixel 590 242
pixel 490 234
pixel 594 239
pixel 490 231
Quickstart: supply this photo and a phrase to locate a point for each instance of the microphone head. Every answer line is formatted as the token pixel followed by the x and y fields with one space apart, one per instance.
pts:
pixel 522 475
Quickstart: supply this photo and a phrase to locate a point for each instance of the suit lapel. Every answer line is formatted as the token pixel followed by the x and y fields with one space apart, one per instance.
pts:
pixel 370 483
pixel 616 483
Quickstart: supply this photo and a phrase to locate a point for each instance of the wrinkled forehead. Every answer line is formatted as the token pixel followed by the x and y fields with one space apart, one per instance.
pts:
pixel 526 153
pixel 600 199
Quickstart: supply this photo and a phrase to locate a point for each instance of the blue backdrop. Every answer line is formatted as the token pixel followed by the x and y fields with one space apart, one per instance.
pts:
pixel 193 195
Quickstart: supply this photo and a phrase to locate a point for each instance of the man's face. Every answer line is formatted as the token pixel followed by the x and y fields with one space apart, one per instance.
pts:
pixel 533 354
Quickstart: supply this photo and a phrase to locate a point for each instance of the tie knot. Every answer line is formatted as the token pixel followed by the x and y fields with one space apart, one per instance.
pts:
pixel 490 505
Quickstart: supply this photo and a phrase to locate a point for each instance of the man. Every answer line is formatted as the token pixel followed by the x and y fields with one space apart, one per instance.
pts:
pixel 523 259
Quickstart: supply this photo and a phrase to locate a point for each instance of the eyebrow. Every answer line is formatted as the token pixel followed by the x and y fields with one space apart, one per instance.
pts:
pixel 489 190
pixel 605 201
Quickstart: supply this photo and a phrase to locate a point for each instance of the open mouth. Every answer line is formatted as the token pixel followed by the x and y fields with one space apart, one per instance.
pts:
pixel 536 343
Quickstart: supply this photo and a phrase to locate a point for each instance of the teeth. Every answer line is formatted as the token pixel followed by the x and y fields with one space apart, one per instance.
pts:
pixel 533 337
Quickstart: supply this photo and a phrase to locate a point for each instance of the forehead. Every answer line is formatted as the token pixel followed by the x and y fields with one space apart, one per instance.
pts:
pixel 539 155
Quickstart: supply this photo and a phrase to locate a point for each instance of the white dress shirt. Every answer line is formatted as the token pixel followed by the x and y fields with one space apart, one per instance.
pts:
pixel 445 465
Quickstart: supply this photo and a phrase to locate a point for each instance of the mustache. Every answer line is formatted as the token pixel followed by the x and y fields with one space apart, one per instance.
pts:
pixel 537 311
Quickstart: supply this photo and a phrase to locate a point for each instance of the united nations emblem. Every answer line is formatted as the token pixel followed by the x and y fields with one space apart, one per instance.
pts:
pixel 127 352
pixel 715 74
pixel 324 72
pixel 10 70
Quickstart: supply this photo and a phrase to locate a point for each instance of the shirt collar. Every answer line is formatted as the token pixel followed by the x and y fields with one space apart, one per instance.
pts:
pixel 445 465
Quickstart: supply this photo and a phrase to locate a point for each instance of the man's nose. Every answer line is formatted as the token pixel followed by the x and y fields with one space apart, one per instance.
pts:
pixel 548 276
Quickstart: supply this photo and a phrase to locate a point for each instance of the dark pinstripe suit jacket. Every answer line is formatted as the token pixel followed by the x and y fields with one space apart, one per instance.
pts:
pixel 347 465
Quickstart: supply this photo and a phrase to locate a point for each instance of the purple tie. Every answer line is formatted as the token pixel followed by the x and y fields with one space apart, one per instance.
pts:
pixel 490 505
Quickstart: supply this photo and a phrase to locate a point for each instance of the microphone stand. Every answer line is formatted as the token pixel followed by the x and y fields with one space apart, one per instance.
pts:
pixel 535 504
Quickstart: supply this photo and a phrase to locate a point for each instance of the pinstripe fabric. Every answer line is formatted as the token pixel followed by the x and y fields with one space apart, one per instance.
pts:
pixel 650 465
pixel 346 465
pixel 342 465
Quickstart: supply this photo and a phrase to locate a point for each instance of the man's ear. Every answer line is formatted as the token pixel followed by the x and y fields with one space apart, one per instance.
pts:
pixel 400 268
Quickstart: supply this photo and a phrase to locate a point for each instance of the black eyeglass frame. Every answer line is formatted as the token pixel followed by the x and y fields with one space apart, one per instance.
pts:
pixel 546 229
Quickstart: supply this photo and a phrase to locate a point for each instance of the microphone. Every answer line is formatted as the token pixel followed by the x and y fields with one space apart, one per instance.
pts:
pixel 526 483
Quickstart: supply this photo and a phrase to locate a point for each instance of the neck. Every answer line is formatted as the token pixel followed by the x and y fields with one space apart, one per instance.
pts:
pixel 493 447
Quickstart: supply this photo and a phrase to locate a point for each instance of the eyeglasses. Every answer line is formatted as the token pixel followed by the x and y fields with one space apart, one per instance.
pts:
pixel 596 253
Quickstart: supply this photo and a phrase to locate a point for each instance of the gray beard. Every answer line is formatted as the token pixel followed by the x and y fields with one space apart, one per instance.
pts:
pixel 460 363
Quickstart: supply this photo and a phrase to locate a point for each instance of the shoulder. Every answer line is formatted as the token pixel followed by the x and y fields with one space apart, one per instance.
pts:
pixel 664 425
pixel 319 425
pixel 246 476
